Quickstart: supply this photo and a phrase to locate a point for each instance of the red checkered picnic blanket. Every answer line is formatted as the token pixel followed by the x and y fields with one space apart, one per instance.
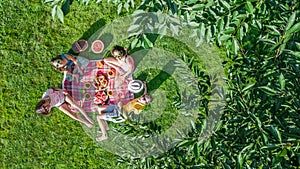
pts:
pixel 83 91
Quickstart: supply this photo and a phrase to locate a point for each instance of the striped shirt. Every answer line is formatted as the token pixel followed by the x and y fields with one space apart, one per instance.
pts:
pixel 56 96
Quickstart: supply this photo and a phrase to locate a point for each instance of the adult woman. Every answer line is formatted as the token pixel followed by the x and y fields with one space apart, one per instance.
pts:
pixel 68 65
pixel 121 61
pixel 118 113
pixel 55 97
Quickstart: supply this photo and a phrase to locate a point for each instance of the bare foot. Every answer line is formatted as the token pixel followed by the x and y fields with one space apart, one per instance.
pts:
pixel 103 137
pixel 99 131
pixel 89 125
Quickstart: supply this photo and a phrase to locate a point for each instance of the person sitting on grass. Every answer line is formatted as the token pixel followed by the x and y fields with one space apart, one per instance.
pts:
pixel 121 61
pixel 112 112
pixel 55 97
pixel 68 65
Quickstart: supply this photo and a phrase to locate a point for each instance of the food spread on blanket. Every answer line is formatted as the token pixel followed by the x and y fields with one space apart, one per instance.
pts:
pixel 100 97
pixel 98 73
pixel 101 82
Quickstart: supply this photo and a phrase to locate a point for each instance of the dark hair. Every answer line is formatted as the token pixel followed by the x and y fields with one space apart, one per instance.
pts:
pixel 40 110
pixel 62 69
pixel 149 96
pixel 120 49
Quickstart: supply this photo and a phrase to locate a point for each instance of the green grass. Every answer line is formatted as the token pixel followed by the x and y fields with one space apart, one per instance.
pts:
pixel 29 39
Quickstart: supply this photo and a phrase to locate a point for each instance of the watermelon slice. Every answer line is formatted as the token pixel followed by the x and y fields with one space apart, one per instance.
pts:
pixel 97 46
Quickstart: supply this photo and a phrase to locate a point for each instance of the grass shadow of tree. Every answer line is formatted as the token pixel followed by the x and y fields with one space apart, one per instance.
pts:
pixel 163 75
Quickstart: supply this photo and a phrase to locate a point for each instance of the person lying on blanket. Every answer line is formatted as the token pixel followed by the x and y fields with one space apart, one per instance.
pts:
pixel 112 112
pixel 55 97
pixel 68 65
pixel 121 61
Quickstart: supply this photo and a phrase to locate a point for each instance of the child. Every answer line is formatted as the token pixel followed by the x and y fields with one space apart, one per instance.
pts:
pixel 55 97
pixel 112 113
pixel 121 61
pixel 68 65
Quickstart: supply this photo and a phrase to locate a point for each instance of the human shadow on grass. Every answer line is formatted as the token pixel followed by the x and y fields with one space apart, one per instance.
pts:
pixel 105 38
pixel 163 75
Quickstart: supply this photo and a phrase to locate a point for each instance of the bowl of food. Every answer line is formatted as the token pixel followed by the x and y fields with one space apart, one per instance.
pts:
pixel 97 46
pixel 101 81
pixel 79 46
pixel 101 98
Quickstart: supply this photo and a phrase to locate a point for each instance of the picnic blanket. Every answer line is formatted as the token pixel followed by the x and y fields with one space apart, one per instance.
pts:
pixel 83 90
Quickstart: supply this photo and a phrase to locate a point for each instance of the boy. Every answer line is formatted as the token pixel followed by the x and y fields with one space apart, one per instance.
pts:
pixel 112 112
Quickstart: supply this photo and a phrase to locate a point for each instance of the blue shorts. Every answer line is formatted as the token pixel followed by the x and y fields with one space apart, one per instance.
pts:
pixel 112 113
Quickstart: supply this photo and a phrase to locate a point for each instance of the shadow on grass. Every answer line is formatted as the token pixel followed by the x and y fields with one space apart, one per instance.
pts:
pixel 107 39
pixel 160 78
pixel 93 29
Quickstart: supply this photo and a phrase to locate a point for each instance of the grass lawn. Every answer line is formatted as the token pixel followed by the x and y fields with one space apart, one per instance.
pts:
pixel 29 40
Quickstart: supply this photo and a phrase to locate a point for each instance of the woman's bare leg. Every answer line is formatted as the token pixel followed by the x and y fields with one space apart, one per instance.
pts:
pixel 66 109
pixel 102 125
pixel 101 110
pixel 69 100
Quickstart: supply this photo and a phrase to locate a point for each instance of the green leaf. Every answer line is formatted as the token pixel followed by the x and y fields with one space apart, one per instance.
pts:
pixel 120 8
pixel 54 11
pixel 283 153
pixel 271 27
pixel 271 146
pixel 282 81
pixel 224 37
pixel 198 7
pixel 297 45
pixel 291 21
pixel 268 90
pixel 297 54
pixel 248 87
pixel 229 30
pixel 225 4
pixel 235 46
pixel 220 25
pixel 126 6
pixel 249 7
pixel 48 1
pixel 134 42
pixel 294 29
pixel 256 119
pixel 240 161
pixel 147 42
pixel 60 14
pixel 276 133
pixel 174 29
pixel 133 27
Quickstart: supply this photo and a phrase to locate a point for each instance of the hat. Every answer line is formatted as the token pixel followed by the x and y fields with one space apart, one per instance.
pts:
pixel 79 46
pixel 135 86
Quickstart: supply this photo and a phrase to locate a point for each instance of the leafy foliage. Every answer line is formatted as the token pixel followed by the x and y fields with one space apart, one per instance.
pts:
pixel 260 125
pixel 62 7
pixel 261 119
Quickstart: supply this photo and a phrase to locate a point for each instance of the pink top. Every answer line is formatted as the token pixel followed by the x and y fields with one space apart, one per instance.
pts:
pixel 56 96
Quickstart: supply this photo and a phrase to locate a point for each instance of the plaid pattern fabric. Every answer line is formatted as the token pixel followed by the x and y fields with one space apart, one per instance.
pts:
pixel 83 91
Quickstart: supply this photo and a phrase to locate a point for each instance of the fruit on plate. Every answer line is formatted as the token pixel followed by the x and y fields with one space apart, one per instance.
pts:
pixel 100 64
pixel 100 97
pixel 101 81
pixel 111 73
pixel 97 46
